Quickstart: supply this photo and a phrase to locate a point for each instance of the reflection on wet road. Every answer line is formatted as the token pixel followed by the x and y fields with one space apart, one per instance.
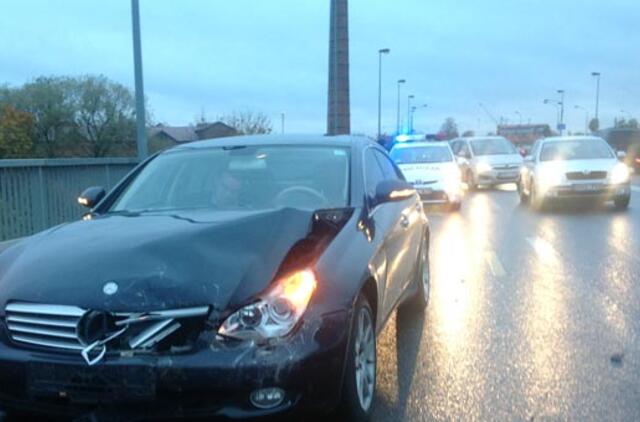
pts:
pixel 533 316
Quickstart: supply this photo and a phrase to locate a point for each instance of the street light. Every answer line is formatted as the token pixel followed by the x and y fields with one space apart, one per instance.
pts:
pixel 597 76
pixel 586 117
pixel 282 116
pixel 380 53
pixel 413 114
pixel 409 98
pixel 557 105
pixel 400 82
pixel 561 125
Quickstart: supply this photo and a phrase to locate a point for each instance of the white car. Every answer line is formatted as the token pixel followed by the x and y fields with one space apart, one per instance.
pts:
pixel 487 161
pixel 433 171
pixel 573 167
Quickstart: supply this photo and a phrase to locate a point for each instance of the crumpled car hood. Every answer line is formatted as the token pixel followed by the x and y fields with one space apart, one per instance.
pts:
pixel 159 261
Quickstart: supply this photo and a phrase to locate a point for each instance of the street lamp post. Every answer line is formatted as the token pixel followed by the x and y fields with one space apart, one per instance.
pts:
pixel 597 76
pixel 586 117
pixel 561 125
pixel 400 82
pixel 380 53
pixel 137 64
pixel 557 105
pixel 409 98
pixel 282 117
pixel 413 115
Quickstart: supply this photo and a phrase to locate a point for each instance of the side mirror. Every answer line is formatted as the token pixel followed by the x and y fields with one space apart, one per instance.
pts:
pixel 621 155
pixel 91 196
pixel 393 191
pixel 528 159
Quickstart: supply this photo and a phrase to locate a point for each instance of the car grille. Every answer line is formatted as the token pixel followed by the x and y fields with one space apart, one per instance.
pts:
pixel 73 329
pixel 591 175
pixel 52 326
pixel 505 166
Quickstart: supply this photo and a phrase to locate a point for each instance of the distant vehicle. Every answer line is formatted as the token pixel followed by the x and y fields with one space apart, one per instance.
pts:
pixel 626 140
pixel 574 167
pixel 432 169
pixel 487 161
pixel 237 277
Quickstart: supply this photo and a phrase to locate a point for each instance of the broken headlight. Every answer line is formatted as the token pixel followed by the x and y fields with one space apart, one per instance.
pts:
pixel 276 312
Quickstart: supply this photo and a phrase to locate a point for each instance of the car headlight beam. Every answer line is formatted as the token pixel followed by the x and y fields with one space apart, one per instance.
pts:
pixel 620 174
pixel 276 312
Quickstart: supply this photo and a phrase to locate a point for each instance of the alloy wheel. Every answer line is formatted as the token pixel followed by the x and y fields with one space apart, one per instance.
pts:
pixel 365 359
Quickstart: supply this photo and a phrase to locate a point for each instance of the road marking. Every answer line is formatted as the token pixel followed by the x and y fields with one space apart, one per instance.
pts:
pixel 635 188
pixel 543 249
pixel 494 264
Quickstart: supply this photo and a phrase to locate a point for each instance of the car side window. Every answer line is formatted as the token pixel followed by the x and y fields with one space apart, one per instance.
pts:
pixel 534 150
pixel 455 147
pixel 389 169
pixel 372 173
pixel 464 150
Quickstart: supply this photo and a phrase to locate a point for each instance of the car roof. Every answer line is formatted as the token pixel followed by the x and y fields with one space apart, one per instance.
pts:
pixel 479 138
pixel 421 144
pixel 572 138
pixel 273 140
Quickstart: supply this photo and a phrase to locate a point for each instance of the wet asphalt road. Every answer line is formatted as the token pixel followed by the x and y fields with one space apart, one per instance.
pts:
pixel 533 316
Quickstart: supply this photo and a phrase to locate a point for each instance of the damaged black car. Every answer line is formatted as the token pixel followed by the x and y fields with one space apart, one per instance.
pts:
pixel 238 277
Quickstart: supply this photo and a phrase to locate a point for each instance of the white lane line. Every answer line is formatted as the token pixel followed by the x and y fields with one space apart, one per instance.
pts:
pixel 635 188
pixel 543 249
pixel 494 264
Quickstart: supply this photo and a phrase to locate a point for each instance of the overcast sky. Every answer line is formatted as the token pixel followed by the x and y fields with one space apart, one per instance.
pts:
pixel 216 56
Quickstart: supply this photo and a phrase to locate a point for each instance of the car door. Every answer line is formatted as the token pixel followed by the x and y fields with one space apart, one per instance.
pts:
pixel 403 243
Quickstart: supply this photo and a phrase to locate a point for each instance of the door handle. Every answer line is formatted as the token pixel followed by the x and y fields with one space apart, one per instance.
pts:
pixel 404 221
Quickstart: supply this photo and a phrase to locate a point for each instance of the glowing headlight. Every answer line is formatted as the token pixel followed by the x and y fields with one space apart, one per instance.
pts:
pixel 620 174
pixel 452 180
pixel 550 178
pixel 483 167
pixel 276 312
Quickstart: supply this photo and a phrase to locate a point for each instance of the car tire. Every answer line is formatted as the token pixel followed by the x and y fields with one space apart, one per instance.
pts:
pixel 419 300
pixel 471 181
pixel 358 392
pixel 622 203
pixel 535 201
pixel 524 198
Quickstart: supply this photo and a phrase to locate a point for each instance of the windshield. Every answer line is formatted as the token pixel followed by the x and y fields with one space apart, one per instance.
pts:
pixel 246 178
pixel 416 155
pixel 588 149
pixel 492 146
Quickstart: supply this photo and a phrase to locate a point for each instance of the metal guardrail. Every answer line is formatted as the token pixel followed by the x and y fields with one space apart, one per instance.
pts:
pixel 37 194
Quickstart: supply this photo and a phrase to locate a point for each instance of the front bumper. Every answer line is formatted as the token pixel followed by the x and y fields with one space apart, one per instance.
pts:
pixel 215 379
pixel 496 177
pixel 437 195
pixel 586 190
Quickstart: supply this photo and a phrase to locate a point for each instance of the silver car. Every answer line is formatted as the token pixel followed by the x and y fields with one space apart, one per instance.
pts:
pixel 487 161
pixel 573 167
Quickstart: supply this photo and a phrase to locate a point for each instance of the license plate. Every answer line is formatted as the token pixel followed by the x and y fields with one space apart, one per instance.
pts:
pixel 91 385
pixel 587 187
pixel 425 191
pixel 508 175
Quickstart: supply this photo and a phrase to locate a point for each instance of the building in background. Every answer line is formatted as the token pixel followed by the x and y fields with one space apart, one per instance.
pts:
pixel 161 136
pixel 524 135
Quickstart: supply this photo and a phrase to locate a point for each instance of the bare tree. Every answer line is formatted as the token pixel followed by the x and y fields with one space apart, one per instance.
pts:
pixel 449 128
pixel 248 122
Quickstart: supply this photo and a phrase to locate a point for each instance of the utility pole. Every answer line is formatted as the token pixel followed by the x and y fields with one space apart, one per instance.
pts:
pixel 137 64
pixel 380 53
pixel 282 116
